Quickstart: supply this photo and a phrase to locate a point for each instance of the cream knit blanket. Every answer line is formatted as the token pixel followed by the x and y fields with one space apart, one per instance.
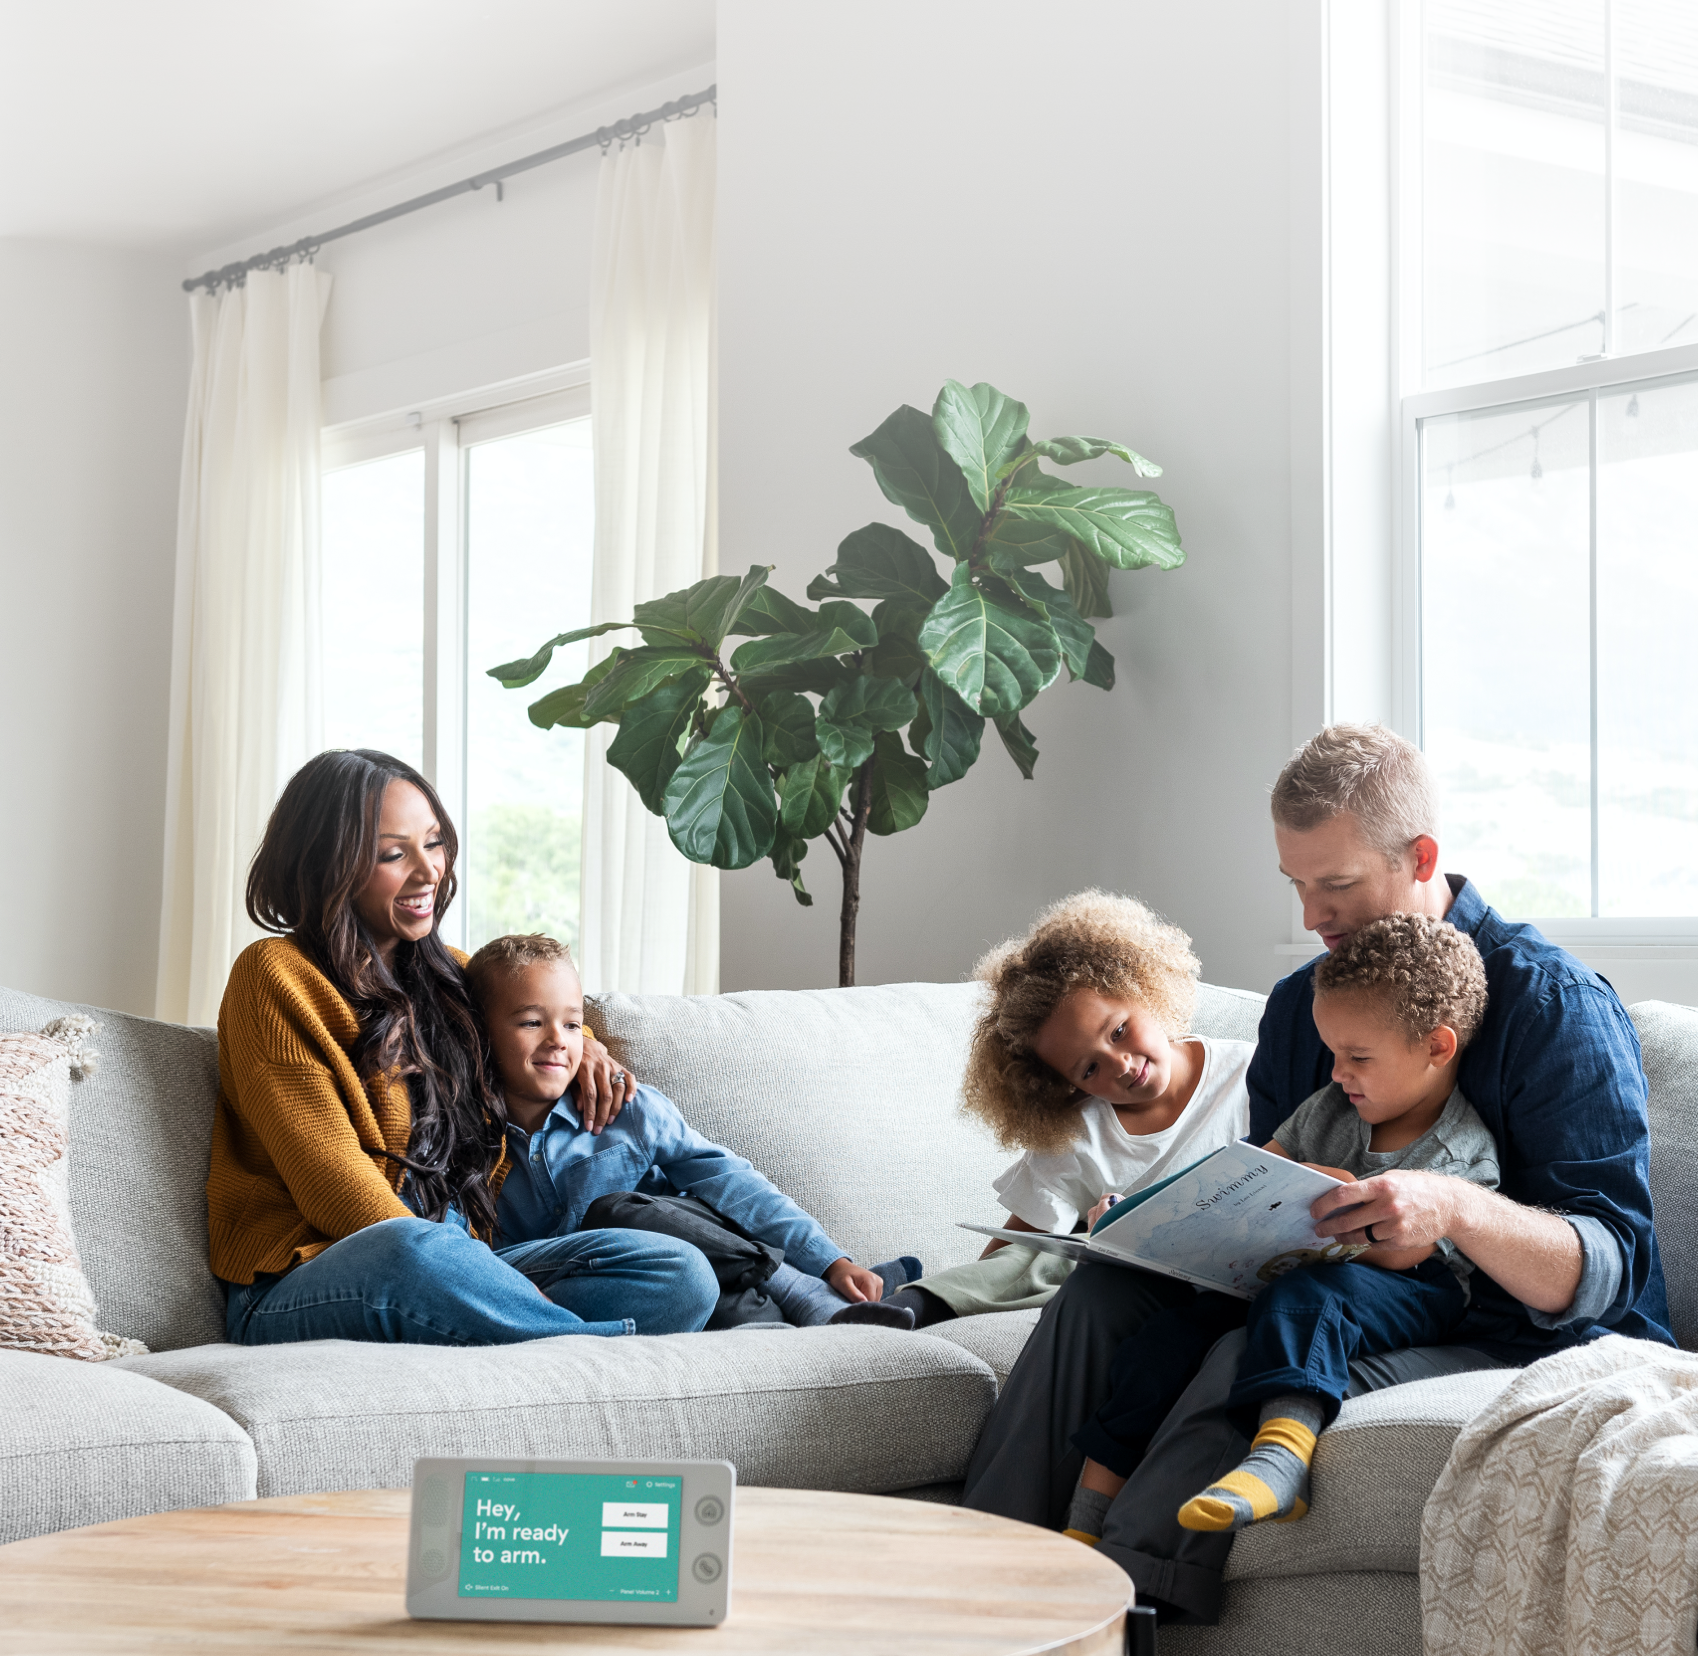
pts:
pixel 1566 1519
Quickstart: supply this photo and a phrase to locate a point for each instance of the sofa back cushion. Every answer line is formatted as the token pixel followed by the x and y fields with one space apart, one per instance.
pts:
pixel 141 1126
pixel 847 1099
pixel 1668 1036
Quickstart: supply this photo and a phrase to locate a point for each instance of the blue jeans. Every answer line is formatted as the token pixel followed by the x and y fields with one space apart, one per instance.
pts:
pixel 415 1282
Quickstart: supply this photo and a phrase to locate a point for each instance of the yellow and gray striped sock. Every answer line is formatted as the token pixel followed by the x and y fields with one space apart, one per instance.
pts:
pixel 1273 1479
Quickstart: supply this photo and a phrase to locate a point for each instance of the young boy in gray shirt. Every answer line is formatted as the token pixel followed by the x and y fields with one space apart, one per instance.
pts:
pixel 1396 1003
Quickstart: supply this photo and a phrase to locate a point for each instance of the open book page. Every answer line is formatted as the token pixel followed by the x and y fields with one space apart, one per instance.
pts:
pixel 1233 1222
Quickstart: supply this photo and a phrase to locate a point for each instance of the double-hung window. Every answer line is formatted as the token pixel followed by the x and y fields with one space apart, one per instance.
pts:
pixel 1550 443
pixel 454 539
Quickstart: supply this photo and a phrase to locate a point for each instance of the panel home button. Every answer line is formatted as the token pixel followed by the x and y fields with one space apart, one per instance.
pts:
pixel 706 1568
pixel 709 1510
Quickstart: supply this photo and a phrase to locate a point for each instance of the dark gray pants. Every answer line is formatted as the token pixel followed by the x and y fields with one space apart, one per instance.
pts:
pixel 1025 1467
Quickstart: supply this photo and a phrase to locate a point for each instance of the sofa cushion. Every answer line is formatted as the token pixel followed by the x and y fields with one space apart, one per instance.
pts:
pixel 1668 1037
pixel 996 1338
pixel 1374 1468
pixel 83 1443
pixel 1228 1014
pixel 141 1127
pixel 863 1409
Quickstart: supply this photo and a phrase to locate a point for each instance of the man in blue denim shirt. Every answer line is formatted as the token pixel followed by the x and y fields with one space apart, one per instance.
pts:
pixel 1555 1073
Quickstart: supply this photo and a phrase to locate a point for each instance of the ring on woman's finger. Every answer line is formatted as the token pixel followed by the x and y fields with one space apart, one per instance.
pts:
pixel 619 1078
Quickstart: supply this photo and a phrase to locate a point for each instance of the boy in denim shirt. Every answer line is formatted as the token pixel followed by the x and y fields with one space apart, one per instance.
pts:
pixel 532 1004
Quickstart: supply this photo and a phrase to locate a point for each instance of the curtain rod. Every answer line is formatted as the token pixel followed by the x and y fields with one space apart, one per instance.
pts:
pixel 633 126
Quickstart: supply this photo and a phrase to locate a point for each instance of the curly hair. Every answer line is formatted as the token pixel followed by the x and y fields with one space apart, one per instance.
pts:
pixel 1425 971
pixel 1092 940
pixel 502 956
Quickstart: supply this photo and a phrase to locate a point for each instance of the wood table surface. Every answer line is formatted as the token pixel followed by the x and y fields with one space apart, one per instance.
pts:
pixel 813 1572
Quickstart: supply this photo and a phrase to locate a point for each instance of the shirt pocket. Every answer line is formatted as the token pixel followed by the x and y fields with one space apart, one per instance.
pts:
pixel 585 1179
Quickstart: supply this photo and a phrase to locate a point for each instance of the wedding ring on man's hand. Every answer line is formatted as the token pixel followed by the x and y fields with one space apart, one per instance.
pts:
pixel 1369 1229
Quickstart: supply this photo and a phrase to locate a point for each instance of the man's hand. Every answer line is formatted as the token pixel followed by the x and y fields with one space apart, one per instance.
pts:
pixel 603 1086
pixel 854 1282
pixel 1533 1255
pixel 1406 1210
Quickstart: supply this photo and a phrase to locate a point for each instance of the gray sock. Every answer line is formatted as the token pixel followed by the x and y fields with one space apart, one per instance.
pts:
pixel 1087 1510
pixel 876 1314
pixel 1272 1481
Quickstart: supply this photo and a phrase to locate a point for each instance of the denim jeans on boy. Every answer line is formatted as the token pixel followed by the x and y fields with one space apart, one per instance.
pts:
pixel 1301 1334
pixel 421 1283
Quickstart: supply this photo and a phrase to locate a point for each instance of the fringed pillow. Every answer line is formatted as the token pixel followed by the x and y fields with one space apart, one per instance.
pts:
pixel 45 1303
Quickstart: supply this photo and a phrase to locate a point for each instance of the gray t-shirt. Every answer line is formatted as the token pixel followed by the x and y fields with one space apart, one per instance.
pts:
pixel 1325 1128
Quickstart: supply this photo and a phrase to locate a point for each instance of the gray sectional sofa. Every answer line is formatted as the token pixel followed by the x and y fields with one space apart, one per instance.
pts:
pixel 847 1099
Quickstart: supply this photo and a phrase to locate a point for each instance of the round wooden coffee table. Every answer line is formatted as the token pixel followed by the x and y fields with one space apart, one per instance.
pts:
pixel 814 1572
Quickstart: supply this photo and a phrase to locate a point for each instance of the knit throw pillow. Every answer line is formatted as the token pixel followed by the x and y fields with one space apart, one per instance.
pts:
pixel 45 1303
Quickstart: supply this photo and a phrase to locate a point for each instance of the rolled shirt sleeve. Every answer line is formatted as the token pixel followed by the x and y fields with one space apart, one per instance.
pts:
pixel 1602 1266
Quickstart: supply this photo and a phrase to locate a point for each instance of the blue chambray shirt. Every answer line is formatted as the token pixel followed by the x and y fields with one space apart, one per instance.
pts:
pixel 1555 1073
pixel 557 1171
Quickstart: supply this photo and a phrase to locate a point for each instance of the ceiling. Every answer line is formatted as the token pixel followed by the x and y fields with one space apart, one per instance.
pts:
pixel 177 123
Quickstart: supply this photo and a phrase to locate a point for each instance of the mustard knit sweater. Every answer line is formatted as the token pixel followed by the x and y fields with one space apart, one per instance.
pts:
pixel 296 1133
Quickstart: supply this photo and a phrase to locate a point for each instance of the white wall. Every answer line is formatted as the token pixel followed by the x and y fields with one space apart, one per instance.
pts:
pixel 1089 205
pixel 94 363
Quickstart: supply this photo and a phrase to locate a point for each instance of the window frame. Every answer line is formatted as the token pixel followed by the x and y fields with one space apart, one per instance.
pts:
pixel 447 430
pixel 1602 939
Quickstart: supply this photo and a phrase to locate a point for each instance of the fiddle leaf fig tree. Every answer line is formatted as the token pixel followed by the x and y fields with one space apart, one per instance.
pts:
pixel 830 723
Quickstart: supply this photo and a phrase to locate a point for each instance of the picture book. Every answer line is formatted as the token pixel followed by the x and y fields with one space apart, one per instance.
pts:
pixel 1233 1222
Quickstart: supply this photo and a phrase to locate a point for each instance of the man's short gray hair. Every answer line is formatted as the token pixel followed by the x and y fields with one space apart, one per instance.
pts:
pixel 1367 770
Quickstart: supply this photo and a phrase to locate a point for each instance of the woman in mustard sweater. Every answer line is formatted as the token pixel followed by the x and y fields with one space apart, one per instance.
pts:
pixel 358 1145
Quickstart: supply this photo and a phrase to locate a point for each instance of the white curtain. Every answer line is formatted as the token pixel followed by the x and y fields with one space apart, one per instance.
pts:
pixel 245 684
pixel 650 917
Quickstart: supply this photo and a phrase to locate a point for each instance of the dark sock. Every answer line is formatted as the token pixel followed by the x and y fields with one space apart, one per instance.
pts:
pixel 925 1305
pixel 897 1273
pixel 879 1313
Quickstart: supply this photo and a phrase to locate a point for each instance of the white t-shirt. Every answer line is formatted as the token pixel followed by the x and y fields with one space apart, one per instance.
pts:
pixel 1054 1191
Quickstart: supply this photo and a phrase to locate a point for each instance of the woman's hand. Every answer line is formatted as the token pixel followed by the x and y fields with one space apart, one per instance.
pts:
pixel 854 1282
pixel 603 1086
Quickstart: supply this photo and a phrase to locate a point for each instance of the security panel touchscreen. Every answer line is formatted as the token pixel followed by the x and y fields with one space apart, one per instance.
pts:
pixel 571 1541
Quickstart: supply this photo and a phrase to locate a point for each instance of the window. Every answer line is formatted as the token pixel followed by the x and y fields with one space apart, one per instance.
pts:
pixel 1551 453
pixel 451 543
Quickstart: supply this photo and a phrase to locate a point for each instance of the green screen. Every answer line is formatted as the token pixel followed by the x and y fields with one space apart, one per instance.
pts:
pixel 570 1535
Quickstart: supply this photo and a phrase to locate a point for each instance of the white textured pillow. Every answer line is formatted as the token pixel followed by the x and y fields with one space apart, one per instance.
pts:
pixel 45 1303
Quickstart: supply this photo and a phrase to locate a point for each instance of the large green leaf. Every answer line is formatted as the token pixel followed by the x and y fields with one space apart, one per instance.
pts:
pixel 980 430
pixel 1128 527
pixel 883 563
pixel 1073 631
pixel 1085 576
pixel 948 732
pixel 783 649
pixel 1013 539
pixel 651 733
pixel 1099 667
pixel 703 613
pixel 515 675
pixel 787 855
pixel 1068 451
pixel 898 654
pixel 566 706
pixel 769 611
pixel 994 656
pixel 1022 748
pixel 719 805
pixel 896 786
pixel 918 476
pixel 811 794
pixel 788 720
pixel 635 673
pixel 817 677
pixel 850 714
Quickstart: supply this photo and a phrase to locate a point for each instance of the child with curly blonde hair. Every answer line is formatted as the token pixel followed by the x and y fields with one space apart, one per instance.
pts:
pixel 1396 1002
pixel 1082 1059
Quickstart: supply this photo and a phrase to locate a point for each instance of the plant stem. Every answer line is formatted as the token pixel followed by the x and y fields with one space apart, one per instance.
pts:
pixel 855 841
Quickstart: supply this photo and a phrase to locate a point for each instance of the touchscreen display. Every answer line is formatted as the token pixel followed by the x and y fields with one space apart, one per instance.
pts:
pixel 570 1535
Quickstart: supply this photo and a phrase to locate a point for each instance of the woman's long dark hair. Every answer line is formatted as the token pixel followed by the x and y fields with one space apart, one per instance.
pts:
pixel 416 1017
